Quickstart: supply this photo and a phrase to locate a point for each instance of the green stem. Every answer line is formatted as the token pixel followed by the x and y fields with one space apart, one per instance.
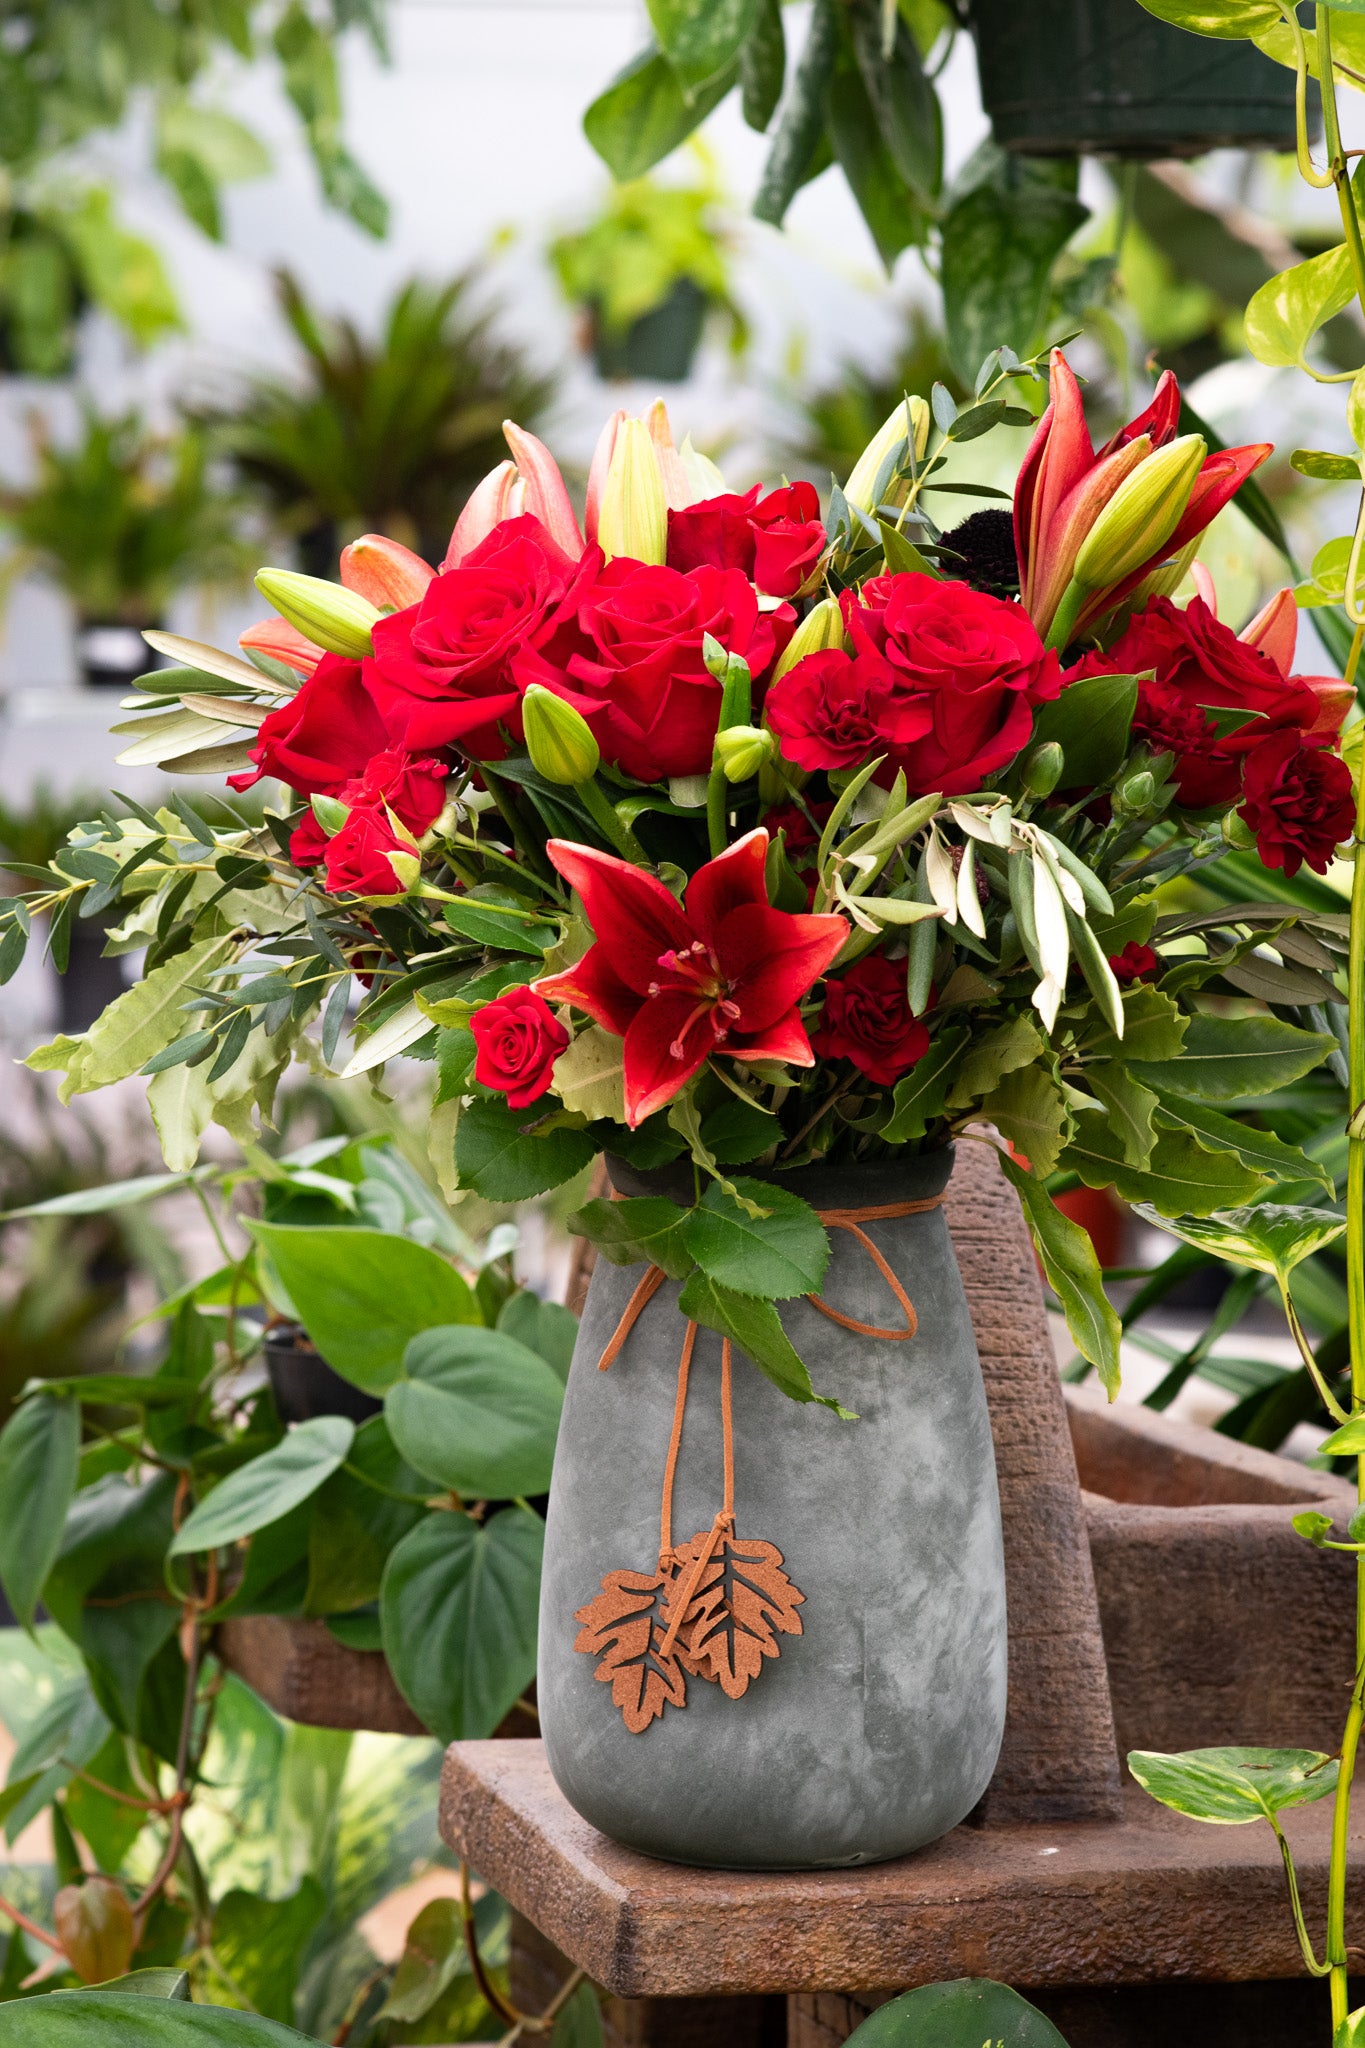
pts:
pixel 1306 1950
pixel 609 822
pixel 717 807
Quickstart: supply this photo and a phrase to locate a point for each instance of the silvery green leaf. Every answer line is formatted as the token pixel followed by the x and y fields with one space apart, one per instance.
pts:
pixel 968 902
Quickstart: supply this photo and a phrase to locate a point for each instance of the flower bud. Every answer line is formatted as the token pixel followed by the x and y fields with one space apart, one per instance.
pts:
pixel 558 738
pixel 406 868
pixel 1135 793
pixel 330 813
pixel 1142 515
pixel 339 620
pixel 633 516
pixel 822 627
pixel 1238 834
pixel 94 1923
pixel 741 751
pixel 280 641
pixel 861 488
pixel 383 570
pixel 1043 767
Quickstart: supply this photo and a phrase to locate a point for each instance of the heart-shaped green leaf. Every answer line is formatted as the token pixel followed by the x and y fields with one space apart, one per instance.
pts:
pixel 477 1412
pixel 1272 1237
pixel 1229 1787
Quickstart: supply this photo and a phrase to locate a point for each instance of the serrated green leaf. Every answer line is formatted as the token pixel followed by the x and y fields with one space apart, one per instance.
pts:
pixel 645 1229
pixel 755 1326
pixel 776 1256
pixel 495 1159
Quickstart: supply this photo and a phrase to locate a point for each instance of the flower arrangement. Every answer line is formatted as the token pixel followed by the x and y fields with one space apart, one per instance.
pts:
pixel 719 833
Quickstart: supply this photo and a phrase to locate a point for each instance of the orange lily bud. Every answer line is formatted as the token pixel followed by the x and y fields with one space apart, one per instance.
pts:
pixel 1141 515
pixel 545 494
pixel 677 487
pixel 337 619
pixel 282 642
pixel 386 572
pixel 1072 522
pixel 1275 630
pixel 498 497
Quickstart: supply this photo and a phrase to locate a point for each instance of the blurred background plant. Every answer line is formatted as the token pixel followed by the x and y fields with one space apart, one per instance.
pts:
pixel 383 435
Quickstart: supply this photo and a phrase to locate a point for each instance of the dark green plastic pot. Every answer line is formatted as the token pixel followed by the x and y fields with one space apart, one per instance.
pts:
pixel 1105 78
pixel 660 345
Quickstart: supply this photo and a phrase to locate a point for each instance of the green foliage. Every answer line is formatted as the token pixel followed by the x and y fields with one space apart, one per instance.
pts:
pixel 265 1490
pixel 778 1254
pixel 477 1412
pixel 39 1450
pixel 125 518
pixel 959 2015
pixel 459 1607
pixel 1233 1786
pixel 646 238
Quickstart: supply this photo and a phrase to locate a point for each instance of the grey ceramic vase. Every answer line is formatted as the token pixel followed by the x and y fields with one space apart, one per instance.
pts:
pixel 876 1729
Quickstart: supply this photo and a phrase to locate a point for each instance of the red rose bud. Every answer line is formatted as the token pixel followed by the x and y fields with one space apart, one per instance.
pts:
pixel 369 857
pixel 384 571
pixel 1133 796
pixel 496 497
pixel 94 1923
pixel 545 494
pixel 337 619
pixel 867 1019
pixel 1298 802
pixel 519 1038
pixel 558 739
pixel 1237 834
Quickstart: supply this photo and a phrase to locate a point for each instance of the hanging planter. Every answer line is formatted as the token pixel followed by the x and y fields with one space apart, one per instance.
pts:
pixel 303 1383
pixel 660 345
pixel 112 655
pixel 1105 78
pixel 771 1639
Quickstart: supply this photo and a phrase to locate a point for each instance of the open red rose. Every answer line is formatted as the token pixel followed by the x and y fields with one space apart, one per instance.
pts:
pixel 519 1039
pixel 867 1019
pixel 356 859
pixel 643 684
pixel 1298 802
pixel 1135 963
pixel 775 540
pixel 445 667
pixel 835 710
pixel 977 663
pixel 1202 668
pixel 413 788
pixel 323 736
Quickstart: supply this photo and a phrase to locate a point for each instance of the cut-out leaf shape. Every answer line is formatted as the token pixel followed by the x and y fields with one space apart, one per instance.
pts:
pixel 741 1598
pixel 622 1628
pixel 1229 1787
pixel 1273 1237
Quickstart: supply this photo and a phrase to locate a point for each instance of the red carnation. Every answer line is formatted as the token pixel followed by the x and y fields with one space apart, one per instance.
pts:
pixel 867 1019
pixel 720 973
pixel 1135 963
pixel 1298 802
pixel 643 683
pixel 834 710
pixel 445 669
pixel 519 1039
pixel 1201 668
pixel 776 540
pixel 975 661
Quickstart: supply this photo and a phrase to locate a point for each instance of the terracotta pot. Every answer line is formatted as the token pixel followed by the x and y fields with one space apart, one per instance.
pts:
pixel 876 1728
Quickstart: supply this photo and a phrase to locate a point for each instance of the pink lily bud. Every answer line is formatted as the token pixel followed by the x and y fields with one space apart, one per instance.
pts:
pixel 1275 630
pixel 1335 699
pixel 546 495
pixel 386 572
pixel 498 497
pixel 1217 484
pixel 677 488
pixel 1204 584
pixel 282 642
pixel 597 475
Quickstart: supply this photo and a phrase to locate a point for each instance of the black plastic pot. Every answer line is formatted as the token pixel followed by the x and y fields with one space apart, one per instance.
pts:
pixel 660 345
pixel 1105 78
pixel 305 1385
pixel 111 654
pixel 90 982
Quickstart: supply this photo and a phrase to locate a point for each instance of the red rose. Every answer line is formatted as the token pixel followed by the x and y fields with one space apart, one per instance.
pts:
pixel 321 737
pixel 867 1019
pixel 413 789
pixel 519 1039
pixel 776 540
pixel 445 667
pixel 1201 667
pixel 356 858
pixel 1298 802
pixel 834 710
pixel 1135 963
pixel 977 663
pixel 645 688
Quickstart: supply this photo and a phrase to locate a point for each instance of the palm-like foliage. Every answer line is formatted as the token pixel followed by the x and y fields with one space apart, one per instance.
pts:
pixel 386 435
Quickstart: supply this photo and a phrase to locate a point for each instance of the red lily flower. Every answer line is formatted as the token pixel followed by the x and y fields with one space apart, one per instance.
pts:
pixel 1065 483
pixel 721 972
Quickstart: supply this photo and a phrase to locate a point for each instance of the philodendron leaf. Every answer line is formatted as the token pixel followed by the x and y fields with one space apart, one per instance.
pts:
pixel 362 1295
pixel 1351 2032
pixel 1073 1273
pixel 39 1457
pixel 458 1608
pixel 118 2019
pixel 643 1229
pixel 1229 1787
pixel 1346 1442
pixel 1272 1237
pixel 963 2014
pixel 262 1491
pixel 476 1412
pixel 775 1256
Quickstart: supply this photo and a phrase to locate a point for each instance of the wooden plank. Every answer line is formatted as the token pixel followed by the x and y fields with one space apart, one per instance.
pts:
pixel 1150 1898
